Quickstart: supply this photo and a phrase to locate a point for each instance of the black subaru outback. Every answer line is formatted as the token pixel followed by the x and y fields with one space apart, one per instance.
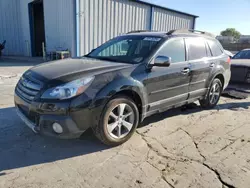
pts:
pixel 118 84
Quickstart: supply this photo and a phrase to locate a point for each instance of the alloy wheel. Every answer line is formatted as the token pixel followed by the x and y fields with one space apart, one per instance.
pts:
pixel 120 121
pixel 214 93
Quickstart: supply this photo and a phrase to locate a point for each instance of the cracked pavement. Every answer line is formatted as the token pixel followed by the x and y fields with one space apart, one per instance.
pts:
pixel 180 148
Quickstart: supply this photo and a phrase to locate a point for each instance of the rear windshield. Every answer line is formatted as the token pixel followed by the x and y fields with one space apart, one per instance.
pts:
pixel 242 55
pixel 127 49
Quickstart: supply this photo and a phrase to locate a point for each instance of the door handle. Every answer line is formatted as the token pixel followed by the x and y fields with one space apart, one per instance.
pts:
pixel 212 65
pixel 185 71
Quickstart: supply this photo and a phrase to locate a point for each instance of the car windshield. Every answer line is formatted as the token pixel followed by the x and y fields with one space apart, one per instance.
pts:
pixel 245 54
pixel 126 49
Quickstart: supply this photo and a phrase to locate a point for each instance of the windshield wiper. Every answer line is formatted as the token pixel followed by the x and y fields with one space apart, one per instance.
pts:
pixel 107 59
pixel 111 59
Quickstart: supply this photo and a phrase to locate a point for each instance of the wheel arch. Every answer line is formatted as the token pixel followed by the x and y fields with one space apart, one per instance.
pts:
pixel 218 75
pixel 134 96
pixel 128 87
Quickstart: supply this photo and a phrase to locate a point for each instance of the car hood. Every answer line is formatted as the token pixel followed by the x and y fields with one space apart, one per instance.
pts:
pixel 69 69
pixel 240 62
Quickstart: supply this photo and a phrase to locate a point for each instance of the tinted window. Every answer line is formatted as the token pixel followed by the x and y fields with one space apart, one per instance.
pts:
pixel 175 49
pixel 196 48
pixel 118 49
pixel 215 47
pixel 209 54
pixel 245 54
pixel 144 46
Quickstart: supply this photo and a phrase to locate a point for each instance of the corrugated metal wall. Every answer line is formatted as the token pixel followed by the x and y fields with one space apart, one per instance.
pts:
pixel 14 27
pixel 101 20
pixel 164 20
pixel 59 17
pixel 9 14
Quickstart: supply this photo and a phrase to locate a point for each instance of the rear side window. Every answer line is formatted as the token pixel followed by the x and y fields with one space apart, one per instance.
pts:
pixel 174 48
pixel 215 47
pixel 196 48
pixel 209 54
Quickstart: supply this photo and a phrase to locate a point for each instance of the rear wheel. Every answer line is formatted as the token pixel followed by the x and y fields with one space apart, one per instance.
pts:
pixel 118 122
pixel 213 95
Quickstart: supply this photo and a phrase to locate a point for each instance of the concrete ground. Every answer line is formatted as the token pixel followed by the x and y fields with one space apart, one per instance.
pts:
pixel 181 148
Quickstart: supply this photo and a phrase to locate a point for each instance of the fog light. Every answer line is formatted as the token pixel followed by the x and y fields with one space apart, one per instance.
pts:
pixel 57 128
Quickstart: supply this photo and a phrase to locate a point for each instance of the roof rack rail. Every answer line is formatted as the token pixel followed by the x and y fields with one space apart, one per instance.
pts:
pixel 184 31
pixel 139 31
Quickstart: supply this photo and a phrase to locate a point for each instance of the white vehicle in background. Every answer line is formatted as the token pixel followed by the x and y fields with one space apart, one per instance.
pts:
pixel 240 67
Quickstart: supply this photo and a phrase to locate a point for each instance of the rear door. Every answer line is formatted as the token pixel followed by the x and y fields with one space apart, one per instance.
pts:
pixel 198 58
pixel 167 86
pixel 220 62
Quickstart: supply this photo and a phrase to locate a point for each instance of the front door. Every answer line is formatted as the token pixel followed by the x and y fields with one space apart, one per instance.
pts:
pixel 167 86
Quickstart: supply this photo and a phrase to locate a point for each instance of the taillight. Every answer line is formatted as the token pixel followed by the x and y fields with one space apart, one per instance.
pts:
pixel 228 60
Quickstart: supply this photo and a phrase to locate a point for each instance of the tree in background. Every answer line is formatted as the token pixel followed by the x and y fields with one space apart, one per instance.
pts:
pixel 231 32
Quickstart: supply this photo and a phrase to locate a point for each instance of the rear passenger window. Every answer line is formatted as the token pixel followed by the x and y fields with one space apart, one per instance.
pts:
pixel 209 54
pixel 215 47
pixel 175 49
pixel 196 48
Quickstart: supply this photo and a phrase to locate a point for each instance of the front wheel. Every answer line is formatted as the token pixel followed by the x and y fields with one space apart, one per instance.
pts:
pixel 213 95
pixel 118 122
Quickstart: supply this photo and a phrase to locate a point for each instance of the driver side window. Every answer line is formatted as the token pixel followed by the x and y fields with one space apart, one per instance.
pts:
pixel 175 49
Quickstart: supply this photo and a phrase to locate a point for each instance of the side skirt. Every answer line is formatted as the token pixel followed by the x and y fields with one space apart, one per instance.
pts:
pixel 149 113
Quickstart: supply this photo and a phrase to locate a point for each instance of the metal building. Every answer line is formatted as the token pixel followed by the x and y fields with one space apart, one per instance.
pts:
pixel 79 25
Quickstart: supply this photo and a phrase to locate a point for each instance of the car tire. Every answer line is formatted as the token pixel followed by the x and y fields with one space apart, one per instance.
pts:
pixel 118 121
pixel 213 95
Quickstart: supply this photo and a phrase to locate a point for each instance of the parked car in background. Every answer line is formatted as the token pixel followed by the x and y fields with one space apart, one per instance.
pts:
pixel 240 67
pixel 121 82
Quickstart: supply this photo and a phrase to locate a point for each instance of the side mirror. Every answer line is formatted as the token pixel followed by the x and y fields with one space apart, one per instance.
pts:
pixel 162 61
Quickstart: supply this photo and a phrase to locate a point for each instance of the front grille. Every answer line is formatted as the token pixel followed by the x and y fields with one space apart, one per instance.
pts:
pixel 28 88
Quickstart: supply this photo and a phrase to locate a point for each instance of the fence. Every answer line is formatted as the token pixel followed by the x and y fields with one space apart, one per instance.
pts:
pixel 235 46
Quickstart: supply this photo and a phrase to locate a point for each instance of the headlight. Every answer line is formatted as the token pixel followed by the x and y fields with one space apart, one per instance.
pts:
pixel 68 90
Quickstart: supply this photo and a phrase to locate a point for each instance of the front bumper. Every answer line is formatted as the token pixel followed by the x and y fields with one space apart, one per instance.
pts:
pixel 29 123
pixel 40 120
pixel 227 77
